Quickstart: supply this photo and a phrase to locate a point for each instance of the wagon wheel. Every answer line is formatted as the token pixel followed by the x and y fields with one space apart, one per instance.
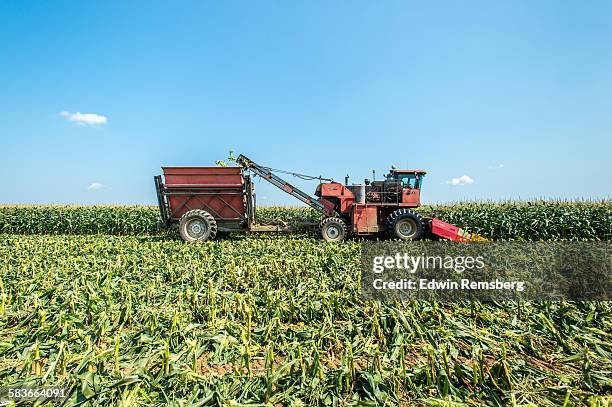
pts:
pixel 405 224
pixel 333 229
pixel 197 225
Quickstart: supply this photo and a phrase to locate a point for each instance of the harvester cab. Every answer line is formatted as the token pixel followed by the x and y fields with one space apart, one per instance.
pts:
pixel 408 178
pixel 398 187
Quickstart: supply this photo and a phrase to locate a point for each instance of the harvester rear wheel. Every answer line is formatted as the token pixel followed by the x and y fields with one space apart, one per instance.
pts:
pixel 197 225
pixel 405 224
pixel 333 229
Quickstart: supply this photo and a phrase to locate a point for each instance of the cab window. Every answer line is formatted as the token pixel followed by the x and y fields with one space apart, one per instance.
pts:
pixel 409 181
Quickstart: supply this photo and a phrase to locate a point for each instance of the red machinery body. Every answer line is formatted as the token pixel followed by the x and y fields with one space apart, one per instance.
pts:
pixel 411 197
pixel 340 196
pixel 366 207
pixel 365 219
pixel 205 200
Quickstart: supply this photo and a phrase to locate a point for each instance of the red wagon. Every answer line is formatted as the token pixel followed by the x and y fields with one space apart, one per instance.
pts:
pixel 204 200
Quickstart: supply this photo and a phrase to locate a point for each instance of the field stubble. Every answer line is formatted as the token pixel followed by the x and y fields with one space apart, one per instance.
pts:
pixel 275 320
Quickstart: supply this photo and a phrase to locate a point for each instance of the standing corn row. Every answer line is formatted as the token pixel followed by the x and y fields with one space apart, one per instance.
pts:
pixel 542 220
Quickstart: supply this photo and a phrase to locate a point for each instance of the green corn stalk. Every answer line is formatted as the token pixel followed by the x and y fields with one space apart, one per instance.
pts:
pixel 166 358
pixel 194 358
pixel 116 353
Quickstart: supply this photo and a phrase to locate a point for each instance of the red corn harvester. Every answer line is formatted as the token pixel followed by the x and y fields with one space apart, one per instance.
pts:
pixel 203 201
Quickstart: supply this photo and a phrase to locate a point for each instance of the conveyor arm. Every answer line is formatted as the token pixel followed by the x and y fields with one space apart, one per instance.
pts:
pixel 280 183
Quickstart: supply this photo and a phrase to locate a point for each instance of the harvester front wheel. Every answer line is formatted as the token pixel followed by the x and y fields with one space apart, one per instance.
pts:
pixel 405 224
pixel 333 229
pixel 197 225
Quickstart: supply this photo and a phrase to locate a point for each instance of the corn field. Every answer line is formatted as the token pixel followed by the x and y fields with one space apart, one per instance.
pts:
pixel 540 220
pixel 124 316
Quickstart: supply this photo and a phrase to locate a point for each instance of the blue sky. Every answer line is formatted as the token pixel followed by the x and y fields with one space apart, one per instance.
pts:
pixel 515 95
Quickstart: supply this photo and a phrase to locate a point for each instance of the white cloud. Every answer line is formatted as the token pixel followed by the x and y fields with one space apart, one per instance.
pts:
pixel 91 119
pixel 94 186
pixel 462 180
pixel 497 166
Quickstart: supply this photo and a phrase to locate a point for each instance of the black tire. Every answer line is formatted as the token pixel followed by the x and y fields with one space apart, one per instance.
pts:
pixel 333 229
pixel 427 230
pixel 197 225
pixel 405 224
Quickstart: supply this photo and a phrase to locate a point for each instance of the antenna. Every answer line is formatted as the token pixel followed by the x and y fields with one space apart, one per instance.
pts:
pixel 373 175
